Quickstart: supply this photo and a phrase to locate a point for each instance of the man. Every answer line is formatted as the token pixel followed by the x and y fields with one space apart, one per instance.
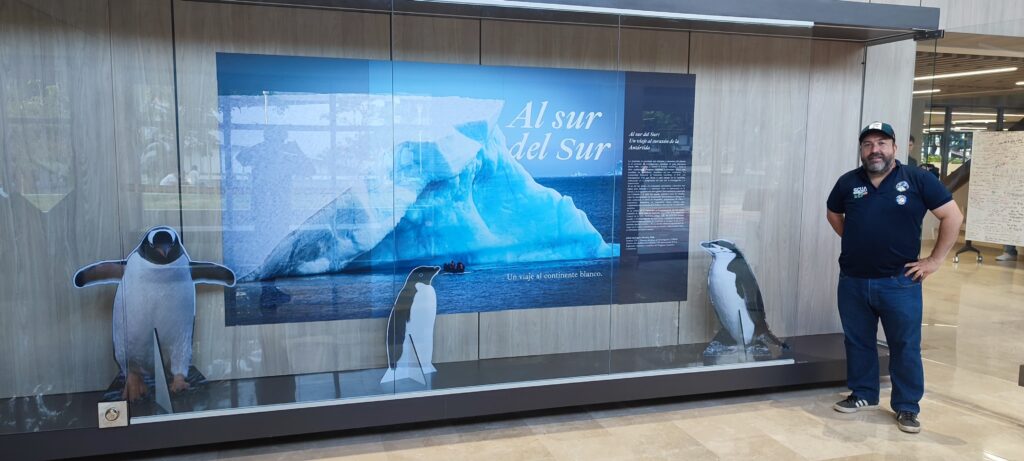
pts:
pixel 877 209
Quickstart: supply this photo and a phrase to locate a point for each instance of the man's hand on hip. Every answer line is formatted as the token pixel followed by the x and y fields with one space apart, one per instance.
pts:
pixel 922 268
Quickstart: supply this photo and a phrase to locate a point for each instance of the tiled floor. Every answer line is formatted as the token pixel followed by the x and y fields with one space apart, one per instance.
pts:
pixel 973 407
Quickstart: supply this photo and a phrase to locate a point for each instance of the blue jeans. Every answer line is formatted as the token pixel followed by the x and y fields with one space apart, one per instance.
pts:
pixel 897 302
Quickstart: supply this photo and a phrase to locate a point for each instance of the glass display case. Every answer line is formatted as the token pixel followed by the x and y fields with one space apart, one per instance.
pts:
pixel 214 210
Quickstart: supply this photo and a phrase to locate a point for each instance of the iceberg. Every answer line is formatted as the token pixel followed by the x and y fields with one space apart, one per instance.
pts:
pixel 451 190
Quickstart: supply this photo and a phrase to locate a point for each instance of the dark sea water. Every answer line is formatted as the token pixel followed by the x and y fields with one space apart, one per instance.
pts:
pixel 368 295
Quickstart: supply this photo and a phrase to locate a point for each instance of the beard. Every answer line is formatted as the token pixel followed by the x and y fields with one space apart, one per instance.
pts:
pixel 876 167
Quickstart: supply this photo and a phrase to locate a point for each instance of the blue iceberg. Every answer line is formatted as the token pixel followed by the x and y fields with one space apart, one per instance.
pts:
pixel 451 190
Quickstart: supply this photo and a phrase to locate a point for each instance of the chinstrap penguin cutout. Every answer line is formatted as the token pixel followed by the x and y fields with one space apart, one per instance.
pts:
pixel 737 299
pixel 410 337
pixel 155 290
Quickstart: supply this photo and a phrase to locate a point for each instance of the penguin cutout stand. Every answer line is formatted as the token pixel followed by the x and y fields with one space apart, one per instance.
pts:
pixel 410 336
pixel 737 301
pixel 156 291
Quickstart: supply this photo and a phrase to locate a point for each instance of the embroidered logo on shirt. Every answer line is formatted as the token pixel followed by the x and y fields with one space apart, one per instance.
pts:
pixel 901 199
pixel 902 186
pixel 859 192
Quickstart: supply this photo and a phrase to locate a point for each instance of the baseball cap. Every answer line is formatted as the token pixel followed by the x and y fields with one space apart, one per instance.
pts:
pixel 878 127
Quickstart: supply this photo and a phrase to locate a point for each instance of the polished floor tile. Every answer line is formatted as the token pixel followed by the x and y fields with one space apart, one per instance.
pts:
pixel 973 408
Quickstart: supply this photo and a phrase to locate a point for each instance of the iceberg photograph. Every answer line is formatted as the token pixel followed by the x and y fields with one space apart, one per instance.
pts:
pixel 342 175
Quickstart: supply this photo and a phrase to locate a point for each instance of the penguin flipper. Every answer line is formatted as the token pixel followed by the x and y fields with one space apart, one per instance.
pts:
pixel 100 273
pixel 212 274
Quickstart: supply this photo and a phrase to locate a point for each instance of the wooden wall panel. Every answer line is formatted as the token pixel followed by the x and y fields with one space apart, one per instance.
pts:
pixel 520 332
pixel 510 43
pixel 832 121
pixel 645 325
pixel 435 39
pixel 60 211
pixel 645 50
pixel 751 116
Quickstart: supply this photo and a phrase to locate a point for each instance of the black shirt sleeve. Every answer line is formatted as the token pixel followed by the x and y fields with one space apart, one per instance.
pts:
pixel 933 192
pixel 836 202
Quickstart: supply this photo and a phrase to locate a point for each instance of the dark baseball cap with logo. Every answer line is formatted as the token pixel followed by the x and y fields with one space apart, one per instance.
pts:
pixel 882 128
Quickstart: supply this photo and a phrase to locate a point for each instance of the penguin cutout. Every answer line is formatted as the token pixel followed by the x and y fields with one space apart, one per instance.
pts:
pixel 737 299
pixel 155 290
pixel 410 337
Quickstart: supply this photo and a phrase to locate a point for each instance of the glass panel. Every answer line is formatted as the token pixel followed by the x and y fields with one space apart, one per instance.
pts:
pixel 304 205
pixel 507 150
pixel 968 114
pixel 304 196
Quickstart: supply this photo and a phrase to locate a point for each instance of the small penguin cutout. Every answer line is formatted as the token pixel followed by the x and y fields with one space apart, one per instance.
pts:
pixel 737 298
pixel 410 335
pixel 155 290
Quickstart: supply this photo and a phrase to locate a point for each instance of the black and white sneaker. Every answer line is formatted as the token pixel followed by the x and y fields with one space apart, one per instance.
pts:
pixel 852 404
pixel 907 422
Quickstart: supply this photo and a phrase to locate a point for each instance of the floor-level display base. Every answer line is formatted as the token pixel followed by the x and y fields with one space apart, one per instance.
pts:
pixel 223 411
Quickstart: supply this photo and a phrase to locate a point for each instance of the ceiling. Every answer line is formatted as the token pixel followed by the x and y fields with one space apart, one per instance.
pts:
pixel 976 97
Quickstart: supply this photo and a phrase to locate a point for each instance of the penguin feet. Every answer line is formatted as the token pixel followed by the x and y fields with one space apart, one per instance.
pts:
pixel 134 387
pixel 179 384
pixel 759 349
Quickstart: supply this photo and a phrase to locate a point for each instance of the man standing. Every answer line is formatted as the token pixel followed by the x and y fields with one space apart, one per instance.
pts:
pixel 877 209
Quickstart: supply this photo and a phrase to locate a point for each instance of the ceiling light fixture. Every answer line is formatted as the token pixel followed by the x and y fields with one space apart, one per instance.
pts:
pixel 966 74
pixel 927 91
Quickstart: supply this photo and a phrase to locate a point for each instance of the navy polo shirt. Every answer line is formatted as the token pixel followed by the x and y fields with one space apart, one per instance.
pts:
pixel 882 226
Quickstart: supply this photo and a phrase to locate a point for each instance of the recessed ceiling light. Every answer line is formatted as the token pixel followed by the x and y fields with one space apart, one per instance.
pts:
pixel 967 74
pixel 974 121
pixel 927 91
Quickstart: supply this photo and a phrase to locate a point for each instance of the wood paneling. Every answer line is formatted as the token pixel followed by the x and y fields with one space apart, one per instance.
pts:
pixel 57 136
pixel 456 337
pixel 645 325
pixel 434 39
pixel 654 51
pixel 520 332
pixel 509 43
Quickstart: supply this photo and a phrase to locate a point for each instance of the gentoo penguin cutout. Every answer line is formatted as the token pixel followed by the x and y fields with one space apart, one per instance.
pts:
pixel 156 290
pixel 410 340
pixel 737 298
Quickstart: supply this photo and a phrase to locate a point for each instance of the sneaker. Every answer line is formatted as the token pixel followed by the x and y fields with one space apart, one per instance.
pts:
pixel 1006 257
pixel 851 404
pixel 907 422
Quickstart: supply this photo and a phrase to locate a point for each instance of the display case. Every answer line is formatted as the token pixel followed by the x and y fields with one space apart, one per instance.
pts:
pixel 236 220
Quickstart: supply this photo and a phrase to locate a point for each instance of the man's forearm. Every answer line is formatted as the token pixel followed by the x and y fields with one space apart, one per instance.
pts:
pixel 836 221
pixel 949 230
